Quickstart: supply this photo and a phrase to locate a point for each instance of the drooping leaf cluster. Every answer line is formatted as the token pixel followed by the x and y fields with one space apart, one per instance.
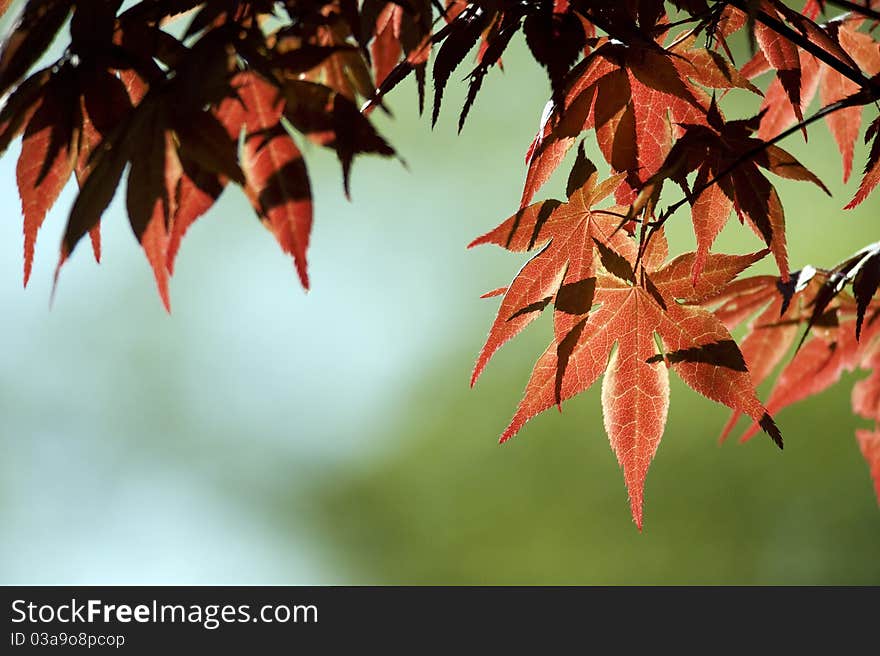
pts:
pixel 650 91
pixel 832 329
pixel 224 100
pixel 175 100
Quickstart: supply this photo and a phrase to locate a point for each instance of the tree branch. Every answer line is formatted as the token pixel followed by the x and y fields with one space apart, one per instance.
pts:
pixel 855 8
pixel 804 43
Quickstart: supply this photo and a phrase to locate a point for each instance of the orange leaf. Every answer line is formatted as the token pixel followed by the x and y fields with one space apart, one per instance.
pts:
pixel 195 194
pixel 782 55
pixel 562 272
pixel 276 181
pixel 869 443
pixel 615 301
pixel 386 48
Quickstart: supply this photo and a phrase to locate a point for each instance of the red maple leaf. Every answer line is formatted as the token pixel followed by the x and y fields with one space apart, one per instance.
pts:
pixel 565 266
pixel 397 32
pixel 64 115
pixel 836 341
pixel 728 160
pixel 778 113
pixel 156 138
pixel 635 97
pixel 276 181
pixel 631 320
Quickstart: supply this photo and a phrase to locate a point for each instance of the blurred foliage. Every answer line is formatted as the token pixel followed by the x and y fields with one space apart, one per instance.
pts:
pixel 550 507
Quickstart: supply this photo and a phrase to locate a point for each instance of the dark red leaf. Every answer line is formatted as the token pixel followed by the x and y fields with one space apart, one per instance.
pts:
pixel 40 21
pixel 47 157
pixel 277 183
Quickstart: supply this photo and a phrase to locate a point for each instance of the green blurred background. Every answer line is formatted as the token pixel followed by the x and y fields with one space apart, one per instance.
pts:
pixel 263 435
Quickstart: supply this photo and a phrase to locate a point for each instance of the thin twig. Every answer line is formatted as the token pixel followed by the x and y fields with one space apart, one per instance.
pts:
pixel 660 29
pixel 855 8
pixel 804 43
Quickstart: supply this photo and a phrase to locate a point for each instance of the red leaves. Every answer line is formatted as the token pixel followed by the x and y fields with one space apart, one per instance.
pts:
pixel 196 192
pixel 818 365
pixel 871 176
pixel 782 55
pixel 109 107
pixel 728 162
pixel 46 160
pixel 844 124
pixel 64 125
pixel 833 343
pixel 153 138
pixel 276 181
pixel 152 180
pixel 780 111
pixel 385 48
pixel 635 390
pixel 612 313
pixel 634 98
pixel 566 265
pixel 185 115
pixel 677 278
pixel 869 442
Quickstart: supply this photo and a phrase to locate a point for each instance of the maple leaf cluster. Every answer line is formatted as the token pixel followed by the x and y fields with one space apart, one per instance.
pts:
pixel 651 98
pixel 190 97
pixel 225 102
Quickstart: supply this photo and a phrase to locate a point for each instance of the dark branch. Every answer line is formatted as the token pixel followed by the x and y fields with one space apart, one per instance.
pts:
pixel 804 43
pixel 855 8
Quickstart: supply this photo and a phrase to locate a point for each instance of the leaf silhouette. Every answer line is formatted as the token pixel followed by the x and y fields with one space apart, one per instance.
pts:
pixel 21 105
pixel 40 21
pixel 342 128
